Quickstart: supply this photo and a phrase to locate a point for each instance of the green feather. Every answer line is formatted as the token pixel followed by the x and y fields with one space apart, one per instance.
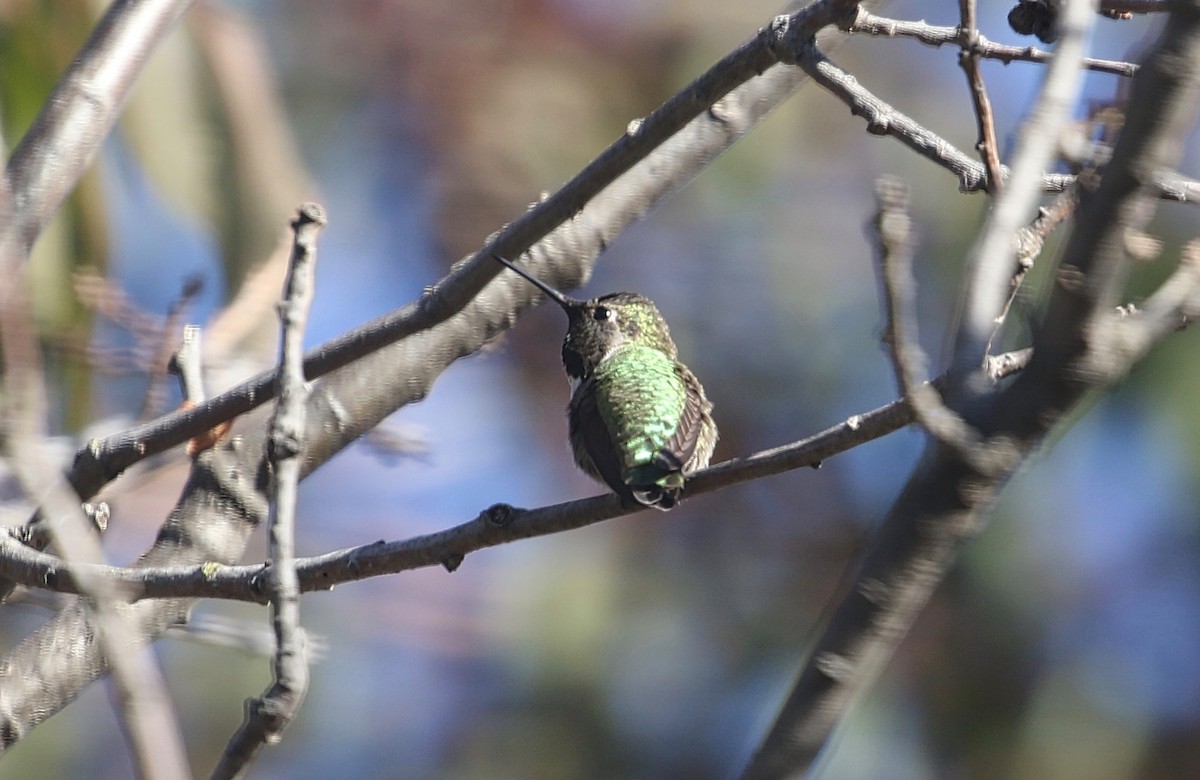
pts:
pixel 641 400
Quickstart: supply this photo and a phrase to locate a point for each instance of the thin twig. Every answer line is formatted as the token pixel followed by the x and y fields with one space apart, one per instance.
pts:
pixel 37 533
pixel 102 460
pixel 968 58
pixel 1037 147
pixel 894 234
pixel 883 119
pixel 187 366
pixel 268 716
pixel 937 36
pixel 1095 261
pixel 1127 335
pixel 156 389
pixel 494 526
pixel 1029 242
pixel 109 300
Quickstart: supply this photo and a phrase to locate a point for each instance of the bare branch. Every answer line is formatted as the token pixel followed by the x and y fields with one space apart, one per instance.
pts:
pixel 209 526
pixel 1095 260
pixel 702 119
pixel 267 717
pixel 494 526
pixel 1037 147
pixel 224 498
pixel 883 119
pixel 931 35
pixel 160 361
pixel 109 300
pixel 1029 242
pixel 37 533
pixel 77 116
pixel 1170 309
pixel 894 234
pixel 947 502
pixel 145 710
pixel 186 365
pixel 969 60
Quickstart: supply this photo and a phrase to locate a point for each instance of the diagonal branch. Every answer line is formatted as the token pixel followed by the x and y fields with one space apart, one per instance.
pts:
pixel 704 100
pixel 883 119
pixel 946 502
pixel 1029 242
pixel 78 115
pixel 1171 308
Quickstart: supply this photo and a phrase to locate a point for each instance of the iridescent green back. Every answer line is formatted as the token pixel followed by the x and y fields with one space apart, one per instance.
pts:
pixel 640 396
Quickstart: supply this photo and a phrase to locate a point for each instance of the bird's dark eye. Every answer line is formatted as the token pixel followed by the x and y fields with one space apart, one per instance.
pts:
pixel 602 313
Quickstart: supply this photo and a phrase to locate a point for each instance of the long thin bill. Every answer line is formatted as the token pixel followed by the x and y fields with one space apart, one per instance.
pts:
pixel 554 294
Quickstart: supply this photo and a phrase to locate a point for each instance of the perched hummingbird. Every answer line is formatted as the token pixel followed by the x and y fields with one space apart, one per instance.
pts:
pixel 638 418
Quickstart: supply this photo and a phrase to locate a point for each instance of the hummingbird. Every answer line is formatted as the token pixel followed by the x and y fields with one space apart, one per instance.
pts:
pixel 638 418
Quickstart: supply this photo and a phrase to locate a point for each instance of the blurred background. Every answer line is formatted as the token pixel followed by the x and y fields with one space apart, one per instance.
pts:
pixel 1063 645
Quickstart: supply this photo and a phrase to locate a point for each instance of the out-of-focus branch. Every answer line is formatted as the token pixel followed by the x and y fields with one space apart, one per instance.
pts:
pixel 144 710
pixel 156 391
pixel 267 174
pixel 187 366
pixel 211 630
pixel 1171 308
pixel 37 533
pixel 1037 147
pixel 893 231
pixel 1029 242
pixel 1137 6
pixel 267 717
pixel 78 115
pixel 1095 261
pixel 494 526
pixel 947 501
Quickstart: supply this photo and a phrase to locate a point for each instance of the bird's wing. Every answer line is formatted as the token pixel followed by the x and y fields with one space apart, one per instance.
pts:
pixel 591 441
pixel 696 434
